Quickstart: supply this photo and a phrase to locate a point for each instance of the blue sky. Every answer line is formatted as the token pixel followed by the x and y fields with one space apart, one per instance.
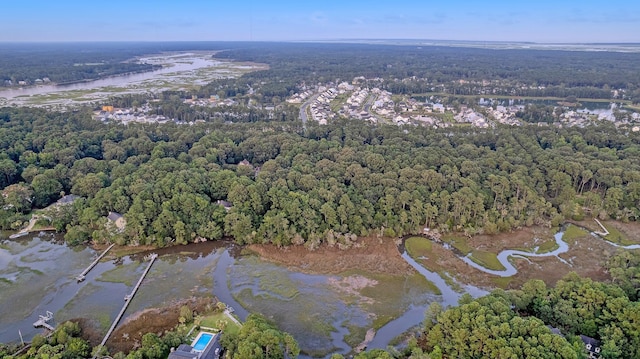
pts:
pixel 267 20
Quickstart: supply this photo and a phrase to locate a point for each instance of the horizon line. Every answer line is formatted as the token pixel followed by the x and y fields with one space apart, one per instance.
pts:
pixel 344 40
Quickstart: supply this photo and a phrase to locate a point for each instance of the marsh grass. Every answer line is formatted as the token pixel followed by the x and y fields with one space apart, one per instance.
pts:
pixel 486 259
pixel 459 243
pixel 572 233
pixel 418 247
pixel 125 274
pixel 617 237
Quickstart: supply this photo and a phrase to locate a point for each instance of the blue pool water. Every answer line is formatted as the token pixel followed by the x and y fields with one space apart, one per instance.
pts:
pixel 202 342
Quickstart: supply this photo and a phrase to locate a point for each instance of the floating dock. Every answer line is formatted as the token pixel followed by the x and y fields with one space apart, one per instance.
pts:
pixel 43 322
pixel 82 275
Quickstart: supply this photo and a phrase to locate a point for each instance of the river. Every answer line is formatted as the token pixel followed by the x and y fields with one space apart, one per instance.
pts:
pixel 179 70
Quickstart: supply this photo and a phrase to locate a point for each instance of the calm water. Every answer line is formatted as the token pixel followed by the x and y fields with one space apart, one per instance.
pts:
pixel 37 274
pixel 181 64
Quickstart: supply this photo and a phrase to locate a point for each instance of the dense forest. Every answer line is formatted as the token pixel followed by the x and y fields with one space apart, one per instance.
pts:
pixel 422 69
pixel 425 69
pixel 518 324
pixel 326 183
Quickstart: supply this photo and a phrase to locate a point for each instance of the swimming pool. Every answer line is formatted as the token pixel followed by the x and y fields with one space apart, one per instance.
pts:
pixel 202 340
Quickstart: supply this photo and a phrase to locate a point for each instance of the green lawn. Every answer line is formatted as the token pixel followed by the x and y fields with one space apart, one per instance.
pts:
pixel 212 320
pixel 338 101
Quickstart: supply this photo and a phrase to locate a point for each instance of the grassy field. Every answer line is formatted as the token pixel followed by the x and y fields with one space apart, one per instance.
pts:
pixel 615 236
pixel 213 320
pixel 459 243
pixel 418 247
pixel 572 233
pixel 502 282
pixel 486 259
pixel 547 246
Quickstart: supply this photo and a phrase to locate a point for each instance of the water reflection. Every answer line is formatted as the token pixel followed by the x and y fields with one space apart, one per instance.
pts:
pixel 321 311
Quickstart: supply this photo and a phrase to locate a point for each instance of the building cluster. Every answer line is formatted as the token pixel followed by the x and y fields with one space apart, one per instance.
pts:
pixel 127 115
pixel 362 100
pixel 321 107
pixel 300 97
pixel 357 101
pixel 354 106
pixel 212 101
pixel 468 115
pixel 504 114
pixel 42 81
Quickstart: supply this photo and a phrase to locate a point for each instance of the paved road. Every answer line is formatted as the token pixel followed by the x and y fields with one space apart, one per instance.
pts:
pixel 303 109
pixel 367 106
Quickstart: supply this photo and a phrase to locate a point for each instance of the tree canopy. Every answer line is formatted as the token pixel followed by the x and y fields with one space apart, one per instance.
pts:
pixel 294 187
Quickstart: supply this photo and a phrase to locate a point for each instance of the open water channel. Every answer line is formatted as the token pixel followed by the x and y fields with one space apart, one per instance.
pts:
pixel 178 71
pixel 325 313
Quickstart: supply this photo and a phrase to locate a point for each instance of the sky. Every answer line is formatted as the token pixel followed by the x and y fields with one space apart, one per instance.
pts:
pixel 545 21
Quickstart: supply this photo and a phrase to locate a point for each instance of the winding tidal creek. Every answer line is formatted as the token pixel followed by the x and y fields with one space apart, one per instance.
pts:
pixel 326 313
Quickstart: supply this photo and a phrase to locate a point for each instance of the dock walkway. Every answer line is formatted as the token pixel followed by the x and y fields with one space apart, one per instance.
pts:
pixel 127 300
pixel 82 275
pixel 604 232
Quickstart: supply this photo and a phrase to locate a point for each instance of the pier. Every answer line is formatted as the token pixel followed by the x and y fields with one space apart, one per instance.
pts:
pixel 43 322
pixel 604 232
pixel 127 300
pixel 82 275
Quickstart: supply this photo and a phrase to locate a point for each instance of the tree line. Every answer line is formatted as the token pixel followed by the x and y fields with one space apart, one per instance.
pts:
pixel 291 186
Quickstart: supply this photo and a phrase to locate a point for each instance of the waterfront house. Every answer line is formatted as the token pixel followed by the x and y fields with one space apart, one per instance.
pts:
pixel 118 220
pixel 184 351
pixel 208 348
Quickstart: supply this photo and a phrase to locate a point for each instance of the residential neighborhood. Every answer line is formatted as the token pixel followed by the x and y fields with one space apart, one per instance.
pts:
pixel 361 99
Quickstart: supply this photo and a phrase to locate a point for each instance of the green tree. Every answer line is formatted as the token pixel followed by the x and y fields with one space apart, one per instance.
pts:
pixel 260 339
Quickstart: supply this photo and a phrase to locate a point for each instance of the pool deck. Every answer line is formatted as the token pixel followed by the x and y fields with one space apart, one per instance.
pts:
pixel 200 335
pixel 211 350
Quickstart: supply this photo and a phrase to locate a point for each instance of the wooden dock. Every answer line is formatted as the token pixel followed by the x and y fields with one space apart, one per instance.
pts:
pixel 127 300
pixel 604 232
pixel 82 275
pixel 43 321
